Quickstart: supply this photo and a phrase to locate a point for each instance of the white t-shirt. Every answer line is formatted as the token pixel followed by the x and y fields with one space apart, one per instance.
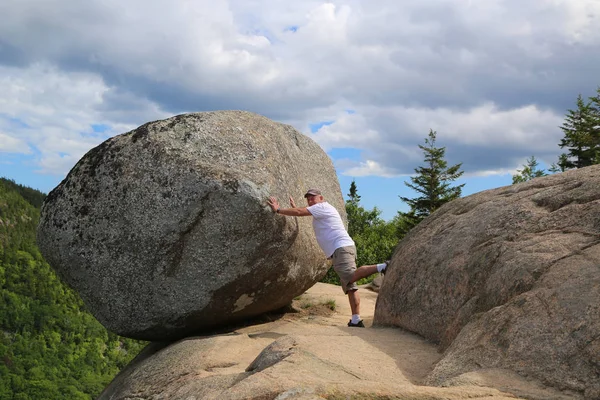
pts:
pixel 329 229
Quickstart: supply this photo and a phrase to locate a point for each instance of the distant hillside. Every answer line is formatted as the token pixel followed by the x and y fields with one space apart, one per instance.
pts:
pixel 50 346
pixel 32 196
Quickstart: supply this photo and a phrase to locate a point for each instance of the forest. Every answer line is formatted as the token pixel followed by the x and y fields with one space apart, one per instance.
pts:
pixel 51 346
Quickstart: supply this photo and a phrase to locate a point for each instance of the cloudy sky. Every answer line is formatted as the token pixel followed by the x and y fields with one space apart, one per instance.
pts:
pixel 366 80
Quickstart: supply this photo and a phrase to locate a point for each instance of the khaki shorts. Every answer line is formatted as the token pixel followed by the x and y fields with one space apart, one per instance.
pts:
pixel 344 264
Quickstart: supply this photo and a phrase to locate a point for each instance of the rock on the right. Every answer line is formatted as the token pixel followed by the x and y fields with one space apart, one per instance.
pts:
pixel 507 278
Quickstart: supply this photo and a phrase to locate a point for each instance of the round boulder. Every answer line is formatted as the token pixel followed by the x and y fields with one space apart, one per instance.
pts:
pixel 164 231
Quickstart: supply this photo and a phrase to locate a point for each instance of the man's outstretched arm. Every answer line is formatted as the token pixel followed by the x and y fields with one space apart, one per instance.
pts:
pixel 290 212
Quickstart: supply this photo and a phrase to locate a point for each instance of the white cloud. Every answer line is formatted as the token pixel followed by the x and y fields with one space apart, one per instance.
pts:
pixel 582 20
pixel 348 131
pixel 491 76
pixel 389 137
pixel 53 112
pixel 367 168
pixel 9 144
pixel 488 126
pixel 496 172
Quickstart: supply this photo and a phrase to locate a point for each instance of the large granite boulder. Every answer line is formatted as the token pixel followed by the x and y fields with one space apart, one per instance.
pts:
pixel 507 278
pixel 165 230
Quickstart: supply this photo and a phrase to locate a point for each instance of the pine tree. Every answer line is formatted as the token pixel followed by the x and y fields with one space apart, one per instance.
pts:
pixel 582 134
pixel 353 196
pixel 359 219
pixel 595 125
pixel 530 170
pixel 432 182
pixel 560 166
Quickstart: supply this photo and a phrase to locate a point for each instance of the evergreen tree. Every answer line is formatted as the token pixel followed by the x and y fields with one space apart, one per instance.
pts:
pixel 560 166
pixel 359 219
pixel 582 134
pixel 353 194
pixel 432 182
pixel 530 170
pixel 595 108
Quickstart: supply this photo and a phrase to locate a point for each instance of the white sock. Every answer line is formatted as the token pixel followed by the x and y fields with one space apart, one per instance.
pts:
pixel 381 267
pixel 355 318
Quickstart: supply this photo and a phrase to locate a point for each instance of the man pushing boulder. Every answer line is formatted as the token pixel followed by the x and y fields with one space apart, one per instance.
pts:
pixel 335 242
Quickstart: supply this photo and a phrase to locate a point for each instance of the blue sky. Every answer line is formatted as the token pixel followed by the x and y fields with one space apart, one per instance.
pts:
pixel 365 80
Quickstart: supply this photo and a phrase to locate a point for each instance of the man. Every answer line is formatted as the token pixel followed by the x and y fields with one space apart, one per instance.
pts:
pixel 336 244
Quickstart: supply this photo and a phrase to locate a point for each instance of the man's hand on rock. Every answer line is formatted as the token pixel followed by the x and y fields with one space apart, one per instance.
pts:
pixel 292 202
pixel 273 203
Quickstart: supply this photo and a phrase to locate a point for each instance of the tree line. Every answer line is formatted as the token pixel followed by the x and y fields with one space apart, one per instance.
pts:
pixel 51 347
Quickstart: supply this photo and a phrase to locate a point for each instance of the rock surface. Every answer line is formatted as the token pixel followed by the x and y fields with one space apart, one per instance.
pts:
pixel 507 278
pixel 165 231
pixel 307 356
pixel 295 357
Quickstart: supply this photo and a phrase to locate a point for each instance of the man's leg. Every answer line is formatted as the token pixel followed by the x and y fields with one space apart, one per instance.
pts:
pixel 354 299
pixel 344 263
pixel 367 270
pixel 363 272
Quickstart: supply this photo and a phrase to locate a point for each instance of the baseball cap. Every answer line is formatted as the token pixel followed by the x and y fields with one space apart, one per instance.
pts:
pixel 312 192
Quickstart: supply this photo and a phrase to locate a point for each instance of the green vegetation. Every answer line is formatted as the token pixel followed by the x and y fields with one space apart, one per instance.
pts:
pixel 307 304
pixel 581 140
pixel 530 170
pixel 32 196
pixel 51 347
pixel 432 182
pixel 582 134
pixel 330 303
